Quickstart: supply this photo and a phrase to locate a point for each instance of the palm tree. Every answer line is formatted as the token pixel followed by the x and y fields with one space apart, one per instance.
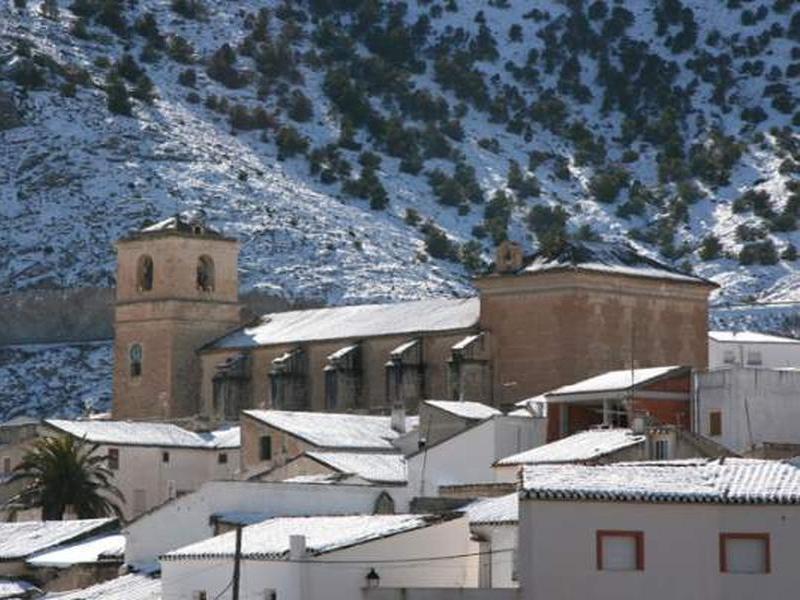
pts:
pixel 63 473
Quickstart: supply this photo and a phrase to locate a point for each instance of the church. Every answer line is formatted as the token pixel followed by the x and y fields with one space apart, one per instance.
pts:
pixel 183 352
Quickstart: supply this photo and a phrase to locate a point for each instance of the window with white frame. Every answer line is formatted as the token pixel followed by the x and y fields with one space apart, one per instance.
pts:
pixel 744 553
pixel 620 550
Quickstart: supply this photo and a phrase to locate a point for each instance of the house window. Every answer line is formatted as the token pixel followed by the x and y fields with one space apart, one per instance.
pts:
pixel 135 358
pixel 753 358
pixel 715 423
pixel 205 274
pixel 200 595
pixel 265 443
pixel 113 459
pixel 144 274
pixel 222 459
pixel 165 457
pixel 729 357
pixel 662 450
pixel 331 391
pixel 620 550
pixel 744 553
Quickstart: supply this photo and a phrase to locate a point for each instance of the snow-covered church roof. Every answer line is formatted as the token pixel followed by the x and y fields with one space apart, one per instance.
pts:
pixel 613 258
pixel 185 223
pixel 346 322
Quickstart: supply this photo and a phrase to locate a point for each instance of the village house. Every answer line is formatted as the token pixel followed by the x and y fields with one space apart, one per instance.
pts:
pixel 494 525
pixel 467 457
pixel 327 557
pixel 182 351
pixel 355 468
pixel 201 514
pixel 724 529
pixel 752 411
pixel 133 586
pixel 153 462
pixel 751 349
pixel 22 542
pixel 660 395
pixel 272 438
pixel 611 445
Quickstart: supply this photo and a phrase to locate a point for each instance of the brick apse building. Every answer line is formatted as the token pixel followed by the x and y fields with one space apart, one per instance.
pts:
pixel 537 323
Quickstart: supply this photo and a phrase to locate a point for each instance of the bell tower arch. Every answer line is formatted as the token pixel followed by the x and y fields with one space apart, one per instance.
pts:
pixel 177 288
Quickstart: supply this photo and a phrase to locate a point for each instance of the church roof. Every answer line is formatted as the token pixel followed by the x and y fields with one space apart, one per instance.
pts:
pixel 191 223
pixel 348 322
pixel 604 257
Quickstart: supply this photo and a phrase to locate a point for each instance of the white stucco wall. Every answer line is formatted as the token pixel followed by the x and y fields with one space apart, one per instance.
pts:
pixel 557 554
pixel 756 405
pixel 143 468
pixel 324 579
pixel 503 545
pixel 780 354
pixel 187 519
pixel 468 456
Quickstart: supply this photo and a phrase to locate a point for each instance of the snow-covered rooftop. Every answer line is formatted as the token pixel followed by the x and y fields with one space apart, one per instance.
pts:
pixel 614 381
pixel 494 511
pixel 749 337
pixel 26 538
pixel 192 222
pixel 576 448
pixel 725 481
pixel 403 318
pixel 13 589
pixel 467 410
pixel 92 550
pixel 127 587
pixel 270 539
pixel 615 258
pixel 334 430
pixel 147 434
pixel 375 468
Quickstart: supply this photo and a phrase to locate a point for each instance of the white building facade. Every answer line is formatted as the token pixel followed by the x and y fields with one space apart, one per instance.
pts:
pixel 751 349
pixel 709 531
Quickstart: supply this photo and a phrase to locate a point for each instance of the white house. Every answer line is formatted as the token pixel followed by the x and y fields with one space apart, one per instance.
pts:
pixel 610 445
pixel 133 586
pixel 326 558
pixel 750 410
pixel 726 529
pixel 468 456
pixel 751 349
pixel 193 517
pixel 153 462
pixel 494 524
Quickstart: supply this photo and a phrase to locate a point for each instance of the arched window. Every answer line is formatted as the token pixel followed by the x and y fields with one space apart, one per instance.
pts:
pixel 135 359
pixel 144 274
pixel 205 274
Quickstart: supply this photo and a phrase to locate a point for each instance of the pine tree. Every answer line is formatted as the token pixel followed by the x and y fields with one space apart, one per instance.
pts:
pixel 117 96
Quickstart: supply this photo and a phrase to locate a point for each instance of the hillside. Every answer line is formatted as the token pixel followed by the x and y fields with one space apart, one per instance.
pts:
pixel 373 150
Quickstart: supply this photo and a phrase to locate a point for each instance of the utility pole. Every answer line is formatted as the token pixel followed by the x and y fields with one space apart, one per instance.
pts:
pixel 237 560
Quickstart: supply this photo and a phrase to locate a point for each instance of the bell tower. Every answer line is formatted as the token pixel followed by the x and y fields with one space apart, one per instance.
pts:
pixel 177 288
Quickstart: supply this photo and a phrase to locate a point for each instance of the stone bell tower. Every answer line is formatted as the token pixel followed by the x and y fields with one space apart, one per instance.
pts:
pixel 177 288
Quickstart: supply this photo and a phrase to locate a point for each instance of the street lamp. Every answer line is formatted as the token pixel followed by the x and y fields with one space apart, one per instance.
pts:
pixel 373 579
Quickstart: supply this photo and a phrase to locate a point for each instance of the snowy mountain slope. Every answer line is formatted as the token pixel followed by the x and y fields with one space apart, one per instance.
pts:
pixel 75 176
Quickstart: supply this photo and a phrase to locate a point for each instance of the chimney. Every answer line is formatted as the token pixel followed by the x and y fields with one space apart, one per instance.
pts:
pixel 297 547
pixel 508 258
pixel 399 418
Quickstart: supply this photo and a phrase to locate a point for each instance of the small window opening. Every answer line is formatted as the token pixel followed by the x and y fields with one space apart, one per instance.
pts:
pixel 222 459
pixel 136 360
pixel 113 459
pixel 205 274
pixel 165 457
pixel 265 447
pixel 144 274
